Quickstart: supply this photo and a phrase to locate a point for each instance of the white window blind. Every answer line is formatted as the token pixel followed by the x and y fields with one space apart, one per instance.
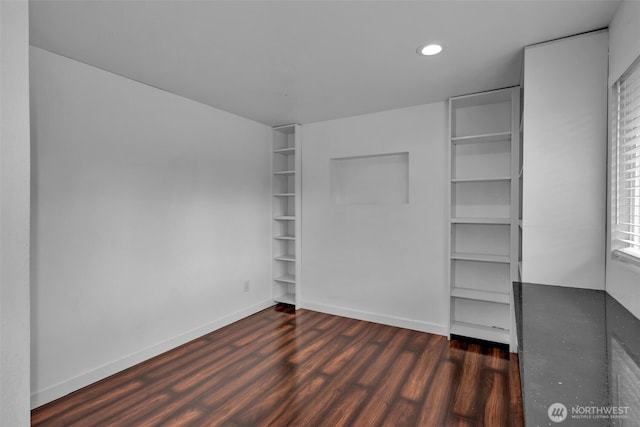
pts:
pixel 626 233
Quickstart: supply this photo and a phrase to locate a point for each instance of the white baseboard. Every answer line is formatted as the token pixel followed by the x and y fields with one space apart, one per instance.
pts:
pixel 400 322
pixel 56 391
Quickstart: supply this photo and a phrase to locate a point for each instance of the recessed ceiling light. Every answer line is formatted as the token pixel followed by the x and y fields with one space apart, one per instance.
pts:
pixel 430 49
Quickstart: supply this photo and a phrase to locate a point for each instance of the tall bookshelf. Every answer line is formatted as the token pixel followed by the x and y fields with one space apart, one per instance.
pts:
pixel 286 275
pixel 484 213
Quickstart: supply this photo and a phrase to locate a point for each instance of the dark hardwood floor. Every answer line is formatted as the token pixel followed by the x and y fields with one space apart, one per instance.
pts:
pixel 276 368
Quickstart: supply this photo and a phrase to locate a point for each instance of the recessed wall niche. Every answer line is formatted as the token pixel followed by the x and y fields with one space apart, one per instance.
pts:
pixel 380 179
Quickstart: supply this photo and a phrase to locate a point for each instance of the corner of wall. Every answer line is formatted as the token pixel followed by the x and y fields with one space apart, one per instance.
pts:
pixel 622 279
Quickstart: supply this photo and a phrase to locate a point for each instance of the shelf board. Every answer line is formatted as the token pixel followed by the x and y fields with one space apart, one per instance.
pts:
pixel 285 237
pixel 479 295
pixel 486 333
pixel 285 218
pixel 286 173
pixel 490 97
pixel 504 259
pixel 288 129
pixel 287 150
pixel 504 221
pixel 482 138
pixel 286 257
pixel 287 278
pixel 496 179
pixel 285 195
pixel 286 299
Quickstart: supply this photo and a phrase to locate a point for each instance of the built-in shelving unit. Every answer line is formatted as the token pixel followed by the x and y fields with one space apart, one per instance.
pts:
pixel 520 181
pixel 481 220
pixel 484 213
pixel 286 215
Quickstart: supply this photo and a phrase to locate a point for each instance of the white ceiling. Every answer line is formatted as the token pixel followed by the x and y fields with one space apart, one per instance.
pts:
pixel 280 62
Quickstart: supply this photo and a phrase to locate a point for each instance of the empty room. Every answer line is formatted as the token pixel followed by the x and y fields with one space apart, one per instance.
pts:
pixel 319 213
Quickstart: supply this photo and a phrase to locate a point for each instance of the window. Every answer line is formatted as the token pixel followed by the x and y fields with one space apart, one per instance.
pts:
pixel 626 138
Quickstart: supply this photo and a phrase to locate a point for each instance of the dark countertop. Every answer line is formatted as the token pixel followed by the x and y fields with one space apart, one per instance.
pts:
pixel 580 348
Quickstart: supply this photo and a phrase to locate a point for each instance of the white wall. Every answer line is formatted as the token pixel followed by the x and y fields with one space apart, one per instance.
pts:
pixel 384 261
pixel 624 38
pixel 623 279
pixel 564 186
pixel 14 213
pixel 150 211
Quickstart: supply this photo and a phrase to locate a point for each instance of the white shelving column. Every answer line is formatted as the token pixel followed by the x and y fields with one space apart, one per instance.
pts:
pixel 286 186
pixel 484 205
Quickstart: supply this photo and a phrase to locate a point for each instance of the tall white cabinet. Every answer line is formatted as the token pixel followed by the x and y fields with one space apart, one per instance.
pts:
pixel 286 186
pixel 484 213
pixel 565 185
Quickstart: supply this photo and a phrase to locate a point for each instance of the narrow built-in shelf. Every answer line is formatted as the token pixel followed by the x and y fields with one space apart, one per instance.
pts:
pixel 286 299
pixel 286 208
pixel 287 278
pixel 480 295
pixel 477 139
pixel 481 257
pixel 505 221
pixel 484 206
pixel 287 150
pixel 497 179
pixel 486 333
pixel 285 237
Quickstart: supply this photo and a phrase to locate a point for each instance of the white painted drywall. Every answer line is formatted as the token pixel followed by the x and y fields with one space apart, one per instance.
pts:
pixel 150 211
pixel 14 213
pixel 564 157
pixel 624 38
pixel 623 278
pixel 384 262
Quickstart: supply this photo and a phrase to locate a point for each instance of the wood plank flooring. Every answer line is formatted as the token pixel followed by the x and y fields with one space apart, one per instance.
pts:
pixel 278 368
